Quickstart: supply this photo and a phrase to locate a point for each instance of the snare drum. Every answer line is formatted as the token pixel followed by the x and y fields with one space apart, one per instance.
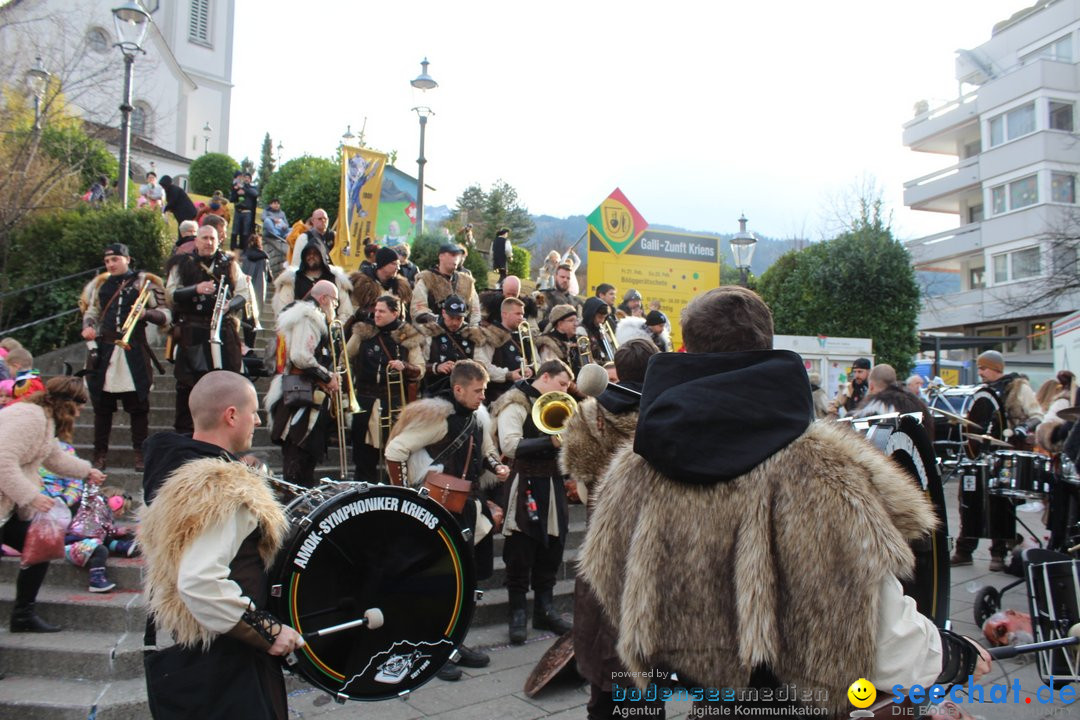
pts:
pixel 982 514
pixel 355 546
pixel 1021 474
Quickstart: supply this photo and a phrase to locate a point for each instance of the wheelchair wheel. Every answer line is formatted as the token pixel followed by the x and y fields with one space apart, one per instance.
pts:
pixel 987 602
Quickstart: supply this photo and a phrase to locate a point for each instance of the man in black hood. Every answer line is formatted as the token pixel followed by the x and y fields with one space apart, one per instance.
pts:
pixel 732 505
pixel 177 201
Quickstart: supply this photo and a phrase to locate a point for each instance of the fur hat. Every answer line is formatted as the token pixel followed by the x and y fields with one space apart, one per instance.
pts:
pixel 655 317
pixel 991 359
pixel 384 256
pixel 559 313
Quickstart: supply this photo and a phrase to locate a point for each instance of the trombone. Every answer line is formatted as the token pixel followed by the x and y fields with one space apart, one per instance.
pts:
pixel 584 348
pixel 395 387
pixel 528 348
pixel 134 314
pixel 552 411
pixel 340 406
pixel 608 341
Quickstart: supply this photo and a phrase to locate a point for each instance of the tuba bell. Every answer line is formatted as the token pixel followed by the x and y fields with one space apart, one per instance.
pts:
pixel 552 410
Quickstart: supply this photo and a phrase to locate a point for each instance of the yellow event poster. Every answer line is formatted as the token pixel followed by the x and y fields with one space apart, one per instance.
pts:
pixel 361 183
pixel 665 266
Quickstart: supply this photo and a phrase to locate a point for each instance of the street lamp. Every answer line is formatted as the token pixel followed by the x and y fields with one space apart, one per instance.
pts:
pixel 132 23
pixel 37 79
pixel 206 137
pixel 742 247
pixel 423 82
pixel 348 137
pixel 279 146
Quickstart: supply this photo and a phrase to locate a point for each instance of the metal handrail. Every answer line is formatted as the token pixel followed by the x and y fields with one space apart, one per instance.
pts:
pixel 38 322
pixel 94 271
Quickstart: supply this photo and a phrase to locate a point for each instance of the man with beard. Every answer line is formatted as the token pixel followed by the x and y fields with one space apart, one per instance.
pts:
pixel 296 282
pixel 559 295
pixel 451 342
pixel 435 285
pixel 191 291
pixel 886 396
pixel 118 373
pixel 452 431
pixel 380 278
pixel 316 233
pixel 303 430
pixel 536 521
pixel 593 316
pixel 593 434
pixel 792 521
pixel 382 353
pixel 853 393
pixel 208 538
pixel 1022 415
pixel 503 349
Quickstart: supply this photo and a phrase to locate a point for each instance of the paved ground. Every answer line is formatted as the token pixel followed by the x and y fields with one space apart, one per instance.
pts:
pixel 496 691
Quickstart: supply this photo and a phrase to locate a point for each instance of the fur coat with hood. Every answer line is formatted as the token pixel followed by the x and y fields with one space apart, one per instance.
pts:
pixel 1018 401
pixel 367 289
pixel 199 495
pixel 303 327
pixel 723 537
pixel 1052 431
pixel 285 291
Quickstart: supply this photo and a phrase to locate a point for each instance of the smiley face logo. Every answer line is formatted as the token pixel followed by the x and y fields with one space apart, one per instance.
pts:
pixel 862 693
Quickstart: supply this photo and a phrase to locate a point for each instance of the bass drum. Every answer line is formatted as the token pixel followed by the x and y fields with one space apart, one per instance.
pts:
pixel 373 546
pixel 905 440
pixel 976 403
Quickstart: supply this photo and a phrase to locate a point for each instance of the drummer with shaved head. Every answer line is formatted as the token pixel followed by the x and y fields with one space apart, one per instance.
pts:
pixel 209 533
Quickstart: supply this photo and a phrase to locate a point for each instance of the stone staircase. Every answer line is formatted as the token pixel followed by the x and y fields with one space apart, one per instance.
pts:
pixel 92 670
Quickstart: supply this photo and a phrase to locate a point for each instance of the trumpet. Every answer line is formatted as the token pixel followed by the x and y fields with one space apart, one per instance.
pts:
pixel 133 315
pixel 217 318
pixel 552 411
pixel 340 406
pixel 607 339
pixel 528 348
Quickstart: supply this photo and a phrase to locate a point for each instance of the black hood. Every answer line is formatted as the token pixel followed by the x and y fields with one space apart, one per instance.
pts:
pixel 615 399
pixel 711 417
pixel 588 314
pixel 167 451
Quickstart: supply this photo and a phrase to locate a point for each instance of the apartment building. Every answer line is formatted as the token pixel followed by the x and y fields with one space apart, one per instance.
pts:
pixel 1014 156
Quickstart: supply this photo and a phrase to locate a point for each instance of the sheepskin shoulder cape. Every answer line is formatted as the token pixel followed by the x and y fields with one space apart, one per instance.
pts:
pixel 199 495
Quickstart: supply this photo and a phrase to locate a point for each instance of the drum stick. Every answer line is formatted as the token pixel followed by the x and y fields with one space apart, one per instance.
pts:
pixel 1010 651
pixel 373 618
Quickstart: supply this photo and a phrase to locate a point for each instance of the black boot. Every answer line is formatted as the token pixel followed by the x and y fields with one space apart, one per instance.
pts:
pixel 472 658
pixel 545 617
pixel 518 619
pixel 24 619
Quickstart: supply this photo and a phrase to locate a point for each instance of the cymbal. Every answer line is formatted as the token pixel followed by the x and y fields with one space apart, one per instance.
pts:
pixel 1070 414
pixel 557 657
pixel 956 418
pixel 989 439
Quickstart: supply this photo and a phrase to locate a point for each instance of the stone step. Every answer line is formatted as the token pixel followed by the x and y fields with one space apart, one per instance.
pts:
pixel 76 609
pixel 87 655
pixel 28 697
pixel 125 572
pixel 498 576
pixel 494 608
pixel 122 457
pixel 121 434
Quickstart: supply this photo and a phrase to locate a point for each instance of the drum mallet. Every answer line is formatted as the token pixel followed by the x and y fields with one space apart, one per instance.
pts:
pixel 1009 651
pixel 373 619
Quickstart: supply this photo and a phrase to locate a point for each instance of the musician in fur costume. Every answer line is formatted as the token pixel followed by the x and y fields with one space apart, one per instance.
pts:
pixel 435 285
pixel 449 340
pixel 378 349
pixel 303 431
pixel 886 395
pixel 451 434
pixel 208 539
pixel 503 349
pixel 296 282
pixel 383 279
pixel 775 522
pixel 593 434
pixel 117 374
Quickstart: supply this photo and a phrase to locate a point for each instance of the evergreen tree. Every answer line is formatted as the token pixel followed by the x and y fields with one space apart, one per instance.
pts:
pixel 266 161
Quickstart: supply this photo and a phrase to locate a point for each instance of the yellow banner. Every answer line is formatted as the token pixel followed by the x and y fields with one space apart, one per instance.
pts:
pixel 361 183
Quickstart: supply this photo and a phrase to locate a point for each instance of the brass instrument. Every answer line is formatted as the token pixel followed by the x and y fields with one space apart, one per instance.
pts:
pixel 340 405
pixel 133 315
pixel 221 306
pixel 607 339
pixel 528 348
pixel 552 410
pixel 395 386
pixel 584 348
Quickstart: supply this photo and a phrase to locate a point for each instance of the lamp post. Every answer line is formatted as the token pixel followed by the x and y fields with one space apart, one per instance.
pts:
pixel 37 79
pixel 348 137
pixel 206 137
pixel 279 146
pixel 742 247
pixel 423 82
pixel 132 23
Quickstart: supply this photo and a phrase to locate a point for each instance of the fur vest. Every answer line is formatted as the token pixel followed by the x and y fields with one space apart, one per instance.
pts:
pixel 407 336
pixel 439 287
pixel 760 560
pixel 303 327
pixel 416 424
pixel 198 495
pixel 366 290
pixel 592 435
pixel 285 291
pixel 1019 403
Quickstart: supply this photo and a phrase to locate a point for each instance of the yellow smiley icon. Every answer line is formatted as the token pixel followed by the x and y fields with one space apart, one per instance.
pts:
pixel 862 693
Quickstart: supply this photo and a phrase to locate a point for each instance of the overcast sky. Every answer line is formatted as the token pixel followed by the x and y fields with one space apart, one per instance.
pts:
pixel 698 111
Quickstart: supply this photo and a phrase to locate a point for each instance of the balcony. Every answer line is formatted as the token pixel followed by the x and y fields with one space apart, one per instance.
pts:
pixel 963 240
pixel 940 191
pixel 998 304
pixel 1042 74
pixel 939 130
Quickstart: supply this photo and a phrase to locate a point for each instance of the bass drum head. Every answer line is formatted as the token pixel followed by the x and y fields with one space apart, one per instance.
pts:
pixel 379 547
pixel 984 408
pixel 909 446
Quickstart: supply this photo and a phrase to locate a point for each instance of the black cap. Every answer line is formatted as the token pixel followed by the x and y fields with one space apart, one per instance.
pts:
pixel 655 317
pixel 384 256
pixel 861 364
pixel 450 248
pixel 454 306
pixel 117 249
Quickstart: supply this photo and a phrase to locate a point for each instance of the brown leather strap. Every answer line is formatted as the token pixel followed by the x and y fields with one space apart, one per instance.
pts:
pixel 468 456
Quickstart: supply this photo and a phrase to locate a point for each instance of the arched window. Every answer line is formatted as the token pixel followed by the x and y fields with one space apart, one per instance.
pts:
pixel 141 120
pixel 97 40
